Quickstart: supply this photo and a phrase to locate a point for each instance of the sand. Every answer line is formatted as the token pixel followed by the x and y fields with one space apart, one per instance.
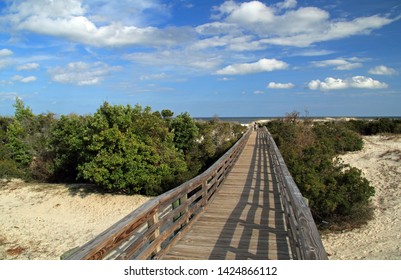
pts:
pixel 380 238
pixel 43 221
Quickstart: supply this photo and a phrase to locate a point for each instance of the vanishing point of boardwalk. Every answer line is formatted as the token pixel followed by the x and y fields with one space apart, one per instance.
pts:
pixel 245 220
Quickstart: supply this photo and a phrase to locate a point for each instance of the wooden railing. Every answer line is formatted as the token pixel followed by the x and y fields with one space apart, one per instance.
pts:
pixel 303 235
pixel 149 231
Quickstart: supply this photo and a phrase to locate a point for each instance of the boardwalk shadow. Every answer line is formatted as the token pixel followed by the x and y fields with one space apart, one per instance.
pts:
pixel 255 228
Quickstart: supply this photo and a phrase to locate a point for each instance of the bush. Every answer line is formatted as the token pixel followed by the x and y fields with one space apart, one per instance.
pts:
pixel 333 189
pixel 68 146
pixel 120 148
pixel 130 150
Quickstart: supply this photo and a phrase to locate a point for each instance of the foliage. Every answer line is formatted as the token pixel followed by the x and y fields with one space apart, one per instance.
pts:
pixel 8 167
pixel 68 146
pixel 377 126
pixel 27 136
pixel 131 150
pixel 185 132
pixel 19 132
pixel 120 148
pixel 215 137
pixel 338 137
pixel 310 150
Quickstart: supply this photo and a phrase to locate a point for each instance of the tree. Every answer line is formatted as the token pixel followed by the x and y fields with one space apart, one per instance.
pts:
pixel 18 134
pixel 167 114
pixel 185 132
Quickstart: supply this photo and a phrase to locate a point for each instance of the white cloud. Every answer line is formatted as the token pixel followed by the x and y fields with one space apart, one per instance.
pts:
pixel 21 79
pixel 5 52
pixel 251 12
pixel 263 65
pixel 28 67
pixel 312 52
pixel 258 92
pixel 339 63
pixel 274 85
pixel 81 73
pixel 70 19
pixel 287 26
pixel 360 82
pixel 235 43
pixel 383 70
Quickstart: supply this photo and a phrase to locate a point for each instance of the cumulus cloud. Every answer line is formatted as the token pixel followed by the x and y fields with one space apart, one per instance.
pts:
pixel 263 65
pixel 81 73
pixel 383 70
pixel 28 67
pixel 5 52
pixel 360 82
pixel 69 19
pixel 274 85
pixel 21 79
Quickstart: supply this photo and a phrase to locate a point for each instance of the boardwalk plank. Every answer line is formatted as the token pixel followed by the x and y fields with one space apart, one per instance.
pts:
pixel 245 219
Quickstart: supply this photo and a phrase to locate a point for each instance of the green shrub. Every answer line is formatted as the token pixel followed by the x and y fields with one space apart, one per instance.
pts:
pixel 333 189
pixel 130 150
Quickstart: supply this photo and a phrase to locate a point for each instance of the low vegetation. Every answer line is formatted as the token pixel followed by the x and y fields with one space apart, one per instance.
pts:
pixel 339 196
pixel 119 148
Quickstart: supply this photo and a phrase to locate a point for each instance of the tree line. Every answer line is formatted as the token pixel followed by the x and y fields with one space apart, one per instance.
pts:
pixel 338 194
pixel 120 148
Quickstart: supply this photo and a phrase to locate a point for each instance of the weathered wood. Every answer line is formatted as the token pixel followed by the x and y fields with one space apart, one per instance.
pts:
pixel 244 220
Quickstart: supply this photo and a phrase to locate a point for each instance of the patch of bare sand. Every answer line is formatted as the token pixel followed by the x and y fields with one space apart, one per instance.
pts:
pixel 42 221
pixel 380 238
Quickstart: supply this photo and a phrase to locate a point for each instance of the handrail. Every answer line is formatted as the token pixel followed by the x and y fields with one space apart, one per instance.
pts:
pixel 304 237
pixel 150 230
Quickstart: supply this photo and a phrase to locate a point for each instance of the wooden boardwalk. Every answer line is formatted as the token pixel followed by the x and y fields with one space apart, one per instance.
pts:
pixel 245 220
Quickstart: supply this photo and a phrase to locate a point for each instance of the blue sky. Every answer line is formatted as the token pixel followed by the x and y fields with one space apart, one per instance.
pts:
pixel 225 58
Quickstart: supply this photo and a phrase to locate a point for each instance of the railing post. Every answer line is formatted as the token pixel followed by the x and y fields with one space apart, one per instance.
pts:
pixel 204 193
pixel 154 219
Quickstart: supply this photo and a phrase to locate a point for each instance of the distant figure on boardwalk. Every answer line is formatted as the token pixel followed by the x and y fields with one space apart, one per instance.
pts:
pixel 254 126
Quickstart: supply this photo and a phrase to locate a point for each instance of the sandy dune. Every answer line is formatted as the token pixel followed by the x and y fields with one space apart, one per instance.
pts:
pixel 380 161
pixel 42 221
